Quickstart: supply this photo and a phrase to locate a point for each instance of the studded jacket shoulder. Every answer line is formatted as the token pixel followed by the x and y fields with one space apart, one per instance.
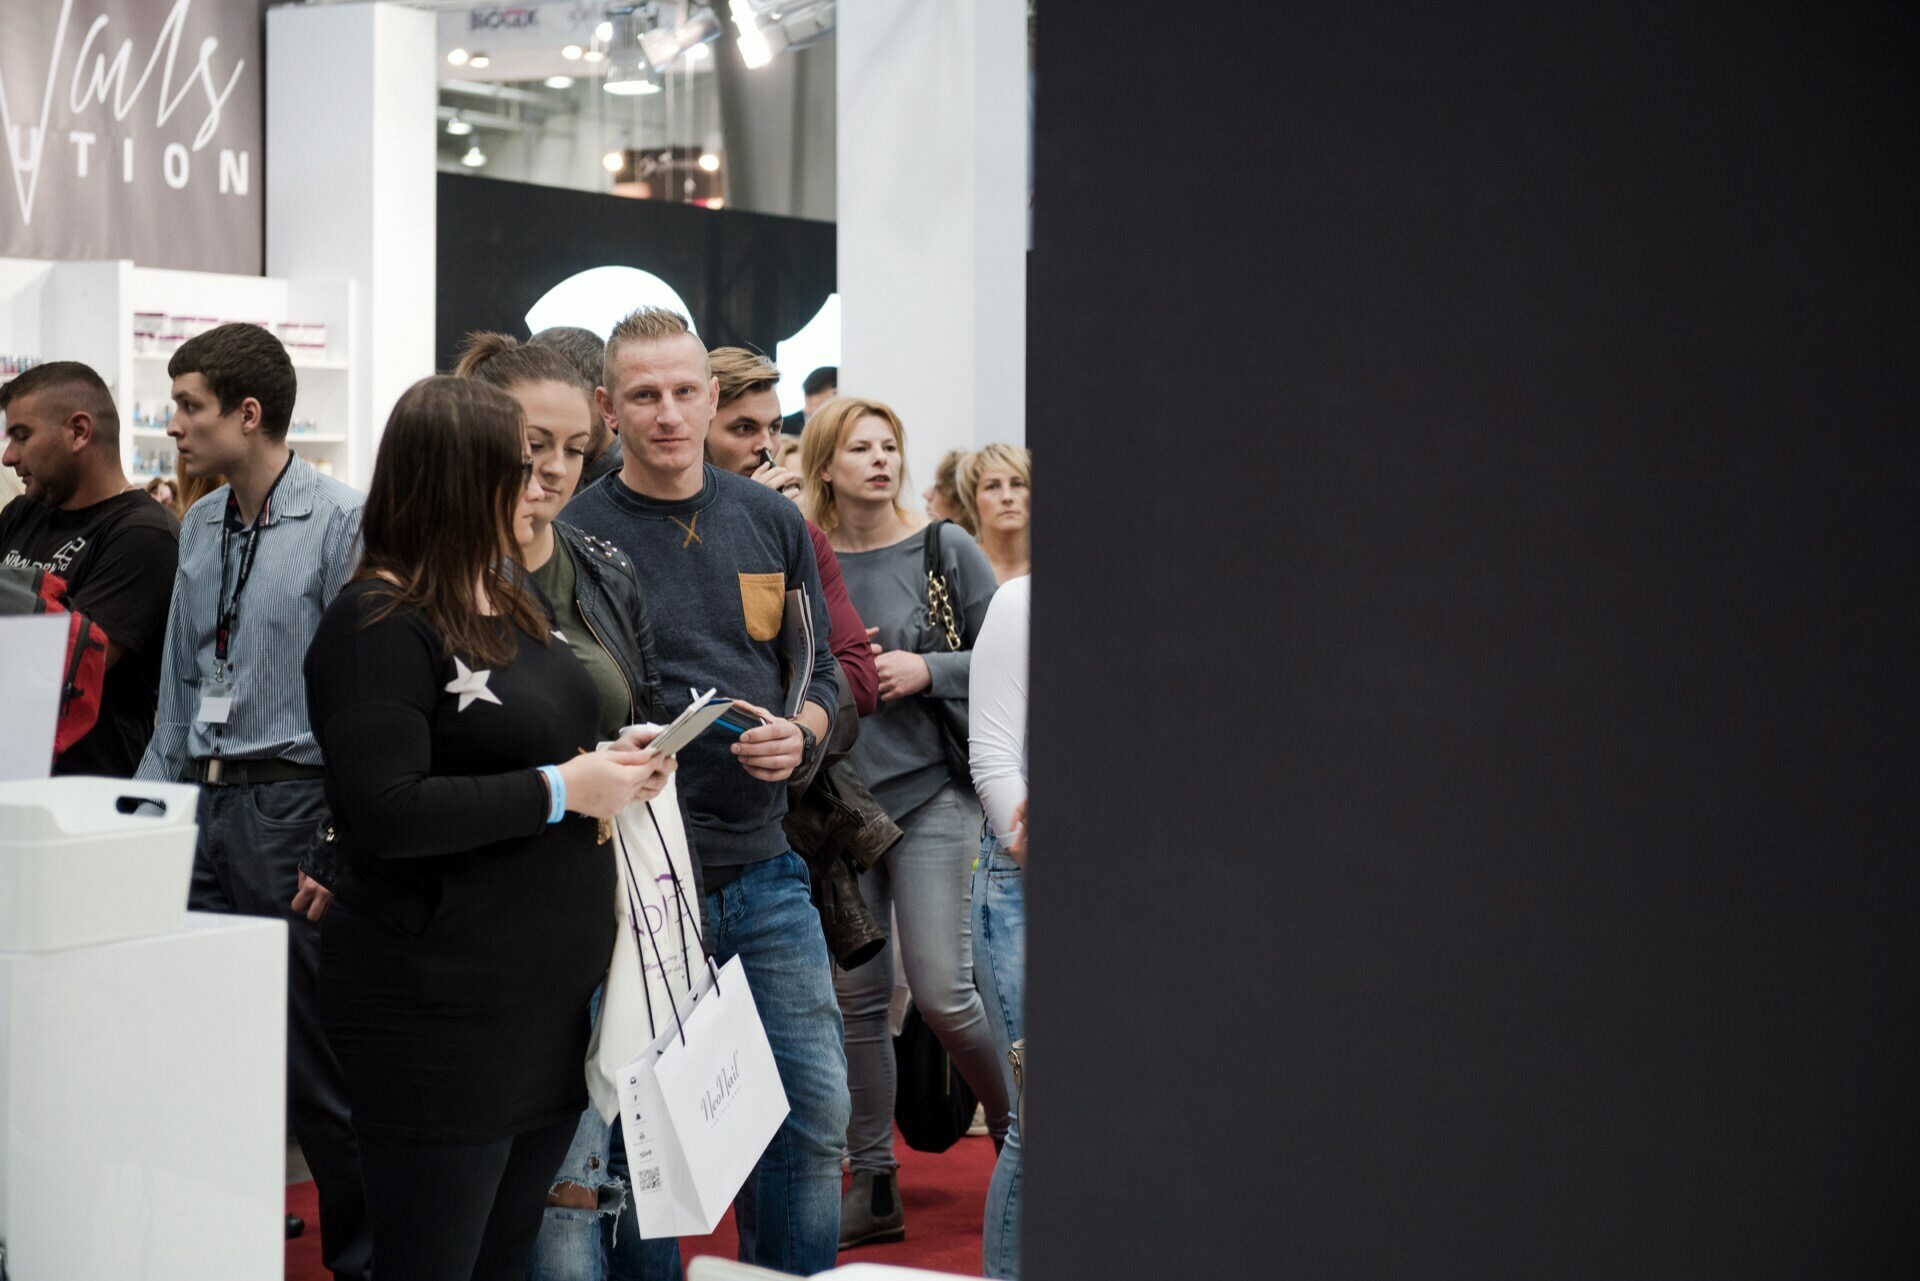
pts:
pixel 611 599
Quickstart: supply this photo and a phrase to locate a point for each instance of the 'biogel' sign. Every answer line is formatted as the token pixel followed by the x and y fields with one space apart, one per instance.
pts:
pixel 132 129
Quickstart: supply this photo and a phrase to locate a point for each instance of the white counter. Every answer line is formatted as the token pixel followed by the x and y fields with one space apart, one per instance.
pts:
pixel 143 1106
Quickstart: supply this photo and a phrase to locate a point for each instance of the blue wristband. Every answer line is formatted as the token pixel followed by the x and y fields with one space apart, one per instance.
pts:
pixel 557 788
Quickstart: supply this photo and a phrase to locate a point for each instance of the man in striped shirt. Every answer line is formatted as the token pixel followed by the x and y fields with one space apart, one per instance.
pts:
pixel 260 559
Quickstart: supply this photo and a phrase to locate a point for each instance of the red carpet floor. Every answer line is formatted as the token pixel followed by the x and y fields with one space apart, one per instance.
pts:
pixel 945 1196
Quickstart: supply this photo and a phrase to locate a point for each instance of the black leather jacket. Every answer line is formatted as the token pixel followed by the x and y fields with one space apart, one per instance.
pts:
pixel 608 593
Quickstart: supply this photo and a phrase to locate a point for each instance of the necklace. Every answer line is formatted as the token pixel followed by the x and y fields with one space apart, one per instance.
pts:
pixel 688 525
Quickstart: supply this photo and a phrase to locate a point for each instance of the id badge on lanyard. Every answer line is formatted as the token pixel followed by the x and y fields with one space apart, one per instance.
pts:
pixel 216 700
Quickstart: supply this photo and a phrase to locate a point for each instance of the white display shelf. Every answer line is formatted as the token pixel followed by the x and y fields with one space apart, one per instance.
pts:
pixel 293 437
pixel 84 311
pixel 323 366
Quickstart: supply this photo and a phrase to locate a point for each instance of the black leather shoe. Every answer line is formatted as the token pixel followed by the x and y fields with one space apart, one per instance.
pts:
pixel 295 1226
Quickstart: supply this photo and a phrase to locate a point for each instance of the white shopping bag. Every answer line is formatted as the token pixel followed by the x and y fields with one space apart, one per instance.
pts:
pixel 699 1107
pixel 651 855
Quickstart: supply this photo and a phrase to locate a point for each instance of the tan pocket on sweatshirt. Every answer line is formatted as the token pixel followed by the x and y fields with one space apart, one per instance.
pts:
pixel 763 599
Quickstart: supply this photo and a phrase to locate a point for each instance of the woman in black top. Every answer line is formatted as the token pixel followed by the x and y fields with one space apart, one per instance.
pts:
pixel 598 606
pixel 470 924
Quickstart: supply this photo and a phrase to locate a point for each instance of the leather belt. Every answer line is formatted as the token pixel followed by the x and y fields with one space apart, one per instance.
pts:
pixel 216 771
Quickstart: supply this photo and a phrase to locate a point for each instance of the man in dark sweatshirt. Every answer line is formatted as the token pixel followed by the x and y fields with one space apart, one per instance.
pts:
pixel 717 555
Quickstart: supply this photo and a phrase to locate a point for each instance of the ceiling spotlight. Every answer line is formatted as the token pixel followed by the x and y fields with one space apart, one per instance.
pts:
pixel 709 162
pixel 571 53
pixel 480 61
pixel 559 82
pixel 594 55
pixel 458 57
pixel 603 32
pixel 628 71
pixel 612 161
pixel 474 157
pixel 459 128
pixel 754 50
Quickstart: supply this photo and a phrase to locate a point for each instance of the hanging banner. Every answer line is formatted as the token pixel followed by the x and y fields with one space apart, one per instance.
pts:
pixel 133 129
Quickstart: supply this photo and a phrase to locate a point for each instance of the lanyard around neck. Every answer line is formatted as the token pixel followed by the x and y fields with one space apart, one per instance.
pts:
pixel 230 608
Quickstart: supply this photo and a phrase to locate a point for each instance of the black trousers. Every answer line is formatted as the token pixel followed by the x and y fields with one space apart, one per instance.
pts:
pixel 460 1211
pixel 252 838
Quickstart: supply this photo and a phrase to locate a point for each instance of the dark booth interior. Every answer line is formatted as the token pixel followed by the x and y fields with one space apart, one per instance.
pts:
pixel 1475 757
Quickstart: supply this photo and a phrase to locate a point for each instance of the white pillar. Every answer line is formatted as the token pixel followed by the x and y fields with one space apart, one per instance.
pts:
pixel 932 217
pixel 351 184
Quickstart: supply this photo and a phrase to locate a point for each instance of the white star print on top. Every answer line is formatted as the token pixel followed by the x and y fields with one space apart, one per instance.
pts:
pixel 469 685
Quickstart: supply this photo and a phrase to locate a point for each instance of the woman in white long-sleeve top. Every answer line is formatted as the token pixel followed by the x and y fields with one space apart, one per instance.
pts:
pixel 998 754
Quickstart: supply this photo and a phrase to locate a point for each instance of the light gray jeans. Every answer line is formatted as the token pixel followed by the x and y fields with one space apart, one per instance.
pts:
pixel 925 882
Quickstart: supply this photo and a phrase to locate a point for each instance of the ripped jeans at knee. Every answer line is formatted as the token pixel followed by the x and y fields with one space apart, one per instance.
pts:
pixel 575 1236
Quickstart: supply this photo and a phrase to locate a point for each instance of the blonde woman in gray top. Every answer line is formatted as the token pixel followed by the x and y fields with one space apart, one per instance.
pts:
pixel 853 463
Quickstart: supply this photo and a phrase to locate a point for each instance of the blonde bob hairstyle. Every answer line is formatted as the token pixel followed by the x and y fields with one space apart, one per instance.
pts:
pixel 975 465
pixel 825 432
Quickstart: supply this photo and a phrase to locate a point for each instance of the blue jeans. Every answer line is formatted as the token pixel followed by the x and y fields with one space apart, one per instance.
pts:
pixel 789 1211
pixel 1000 968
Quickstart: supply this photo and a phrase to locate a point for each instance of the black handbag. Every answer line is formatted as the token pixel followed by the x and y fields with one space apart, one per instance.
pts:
pixel 934 1106
pixel 946 624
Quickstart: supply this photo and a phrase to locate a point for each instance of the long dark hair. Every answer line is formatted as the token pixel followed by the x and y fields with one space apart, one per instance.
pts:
pixel 439 516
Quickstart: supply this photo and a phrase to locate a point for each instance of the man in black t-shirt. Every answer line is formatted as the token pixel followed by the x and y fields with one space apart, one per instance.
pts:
pixel 115 547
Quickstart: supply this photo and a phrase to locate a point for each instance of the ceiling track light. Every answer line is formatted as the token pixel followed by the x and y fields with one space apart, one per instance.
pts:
pixel 629 73
pixel 666 44
pixel 754 50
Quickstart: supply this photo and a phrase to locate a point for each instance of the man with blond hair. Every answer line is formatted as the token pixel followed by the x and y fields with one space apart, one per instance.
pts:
pixel 717 555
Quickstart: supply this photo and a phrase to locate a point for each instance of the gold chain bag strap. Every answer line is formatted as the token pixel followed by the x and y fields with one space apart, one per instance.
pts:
pixel 946 625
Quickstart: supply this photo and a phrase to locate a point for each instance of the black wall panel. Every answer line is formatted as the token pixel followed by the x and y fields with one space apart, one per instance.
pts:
pixel 751 279
pixel 1476 744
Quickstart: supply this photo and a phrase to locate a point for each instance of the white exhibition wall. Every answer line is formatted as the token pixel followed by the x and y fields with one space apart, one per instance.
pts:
pixel 351 184
pixel 933 218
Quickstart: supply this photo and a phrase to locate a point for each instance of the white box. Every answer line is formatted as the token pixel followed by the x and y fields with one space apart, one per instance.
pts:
pixel 77 868
pixel 143 1106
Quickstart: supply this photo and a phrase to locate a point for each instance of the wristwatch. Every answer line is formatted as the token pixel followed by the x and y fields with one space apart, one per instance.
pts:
pixel 809 742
